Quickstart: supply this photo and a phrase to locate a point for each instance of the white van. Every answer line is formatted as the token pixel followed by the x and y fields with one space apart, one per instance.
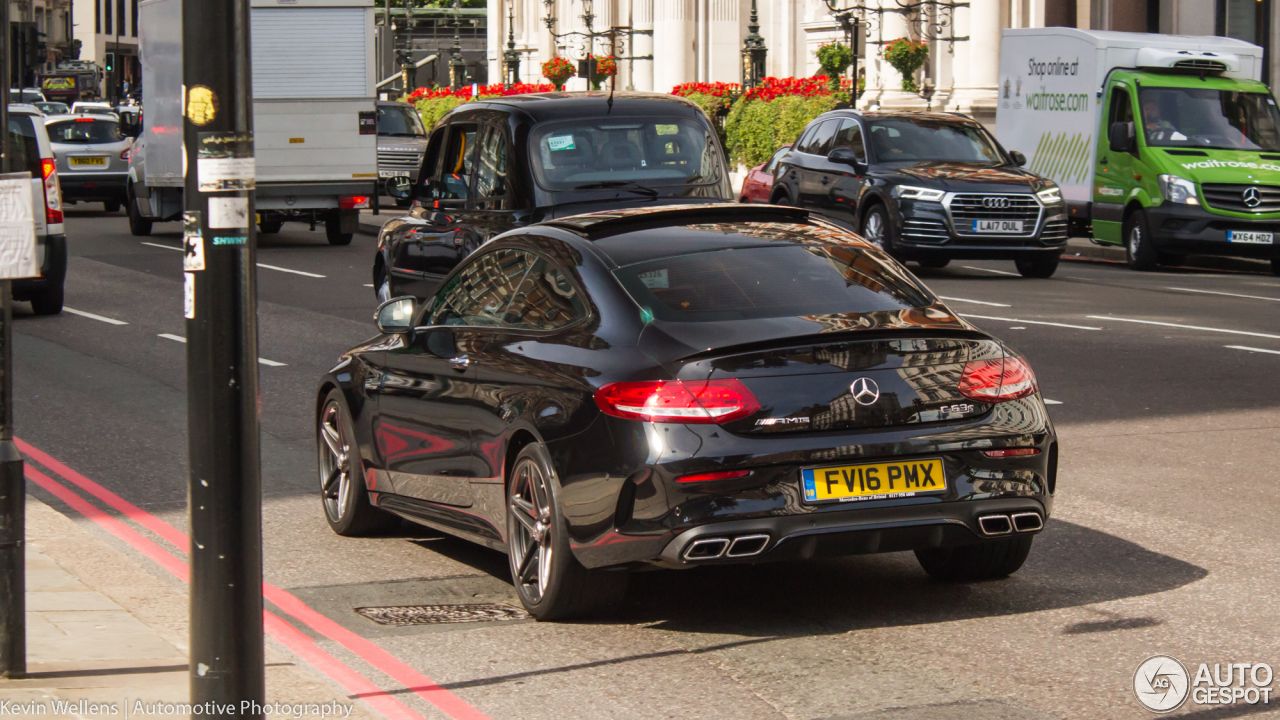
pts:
pixel 31 152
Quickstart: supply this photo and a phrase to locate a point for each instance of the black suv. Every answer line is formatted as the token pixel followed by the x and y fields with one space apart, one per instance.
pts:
pixel 929 187
pixel 500 164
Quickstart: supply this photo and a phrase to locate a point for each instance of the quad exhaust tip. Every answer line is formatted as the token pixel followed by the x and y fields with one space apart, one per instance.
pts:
pixel 743 546
pixel 1023 522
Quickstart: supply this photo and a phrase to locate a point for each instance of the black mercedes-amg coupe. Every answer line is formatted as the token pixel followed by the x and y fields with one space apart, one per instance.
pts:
pixel 682 386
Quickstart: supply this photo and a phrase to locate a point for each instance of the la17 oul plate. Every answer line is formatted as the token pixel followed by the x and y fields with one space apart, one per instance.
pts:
pixel 875 481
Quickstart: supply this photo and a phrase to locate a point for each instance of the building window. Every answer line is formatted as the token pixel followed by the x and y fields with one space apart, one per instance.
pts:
pixel 133 19
pixel 106 26
pixel 120 16
pixel 97 16
pixel 1248 20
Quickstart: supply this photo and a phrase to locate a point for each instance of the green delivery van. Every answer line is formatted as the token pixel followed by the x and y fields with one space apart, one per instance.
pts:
pixel 1165 144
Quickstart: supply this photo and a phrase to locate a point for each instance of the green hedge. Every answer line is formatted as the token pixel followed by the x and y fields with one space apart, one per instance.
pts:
pixel 432 109
pixel 755 128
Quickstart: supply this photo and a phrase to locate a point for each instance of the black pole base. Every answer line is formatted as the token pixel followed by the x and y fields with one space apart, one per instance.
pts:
pixel 13 585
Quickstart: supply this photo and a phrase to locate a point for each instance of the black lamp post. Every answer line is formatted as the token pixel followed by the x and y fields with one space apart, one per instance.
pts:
pixel 753 52
pixel 457 65
pixel 511 56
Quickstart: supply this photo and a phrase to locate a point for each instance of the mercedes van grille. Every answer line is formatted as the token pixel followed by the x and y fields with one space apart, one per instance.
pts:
pixel 964 208
pixel 1232 197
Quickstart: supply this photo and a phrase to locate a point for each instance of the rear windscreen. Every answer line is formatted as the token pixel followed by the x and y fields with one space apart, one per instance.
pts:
pixel 24 150
pixel 84 130
pixel 768 282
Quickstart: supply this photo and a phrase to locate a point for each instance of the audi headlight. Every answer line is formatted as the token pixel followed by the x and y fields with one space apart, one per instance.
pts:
pixel 1178 190
pixel 1051 195
pixel 910 192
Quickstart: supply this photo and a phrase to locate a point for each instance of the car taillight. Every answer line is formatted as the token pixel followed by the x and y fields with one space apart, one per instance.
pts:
pixel 352 202
pixel 707 477
pixel 52 193
pixel 997 380
pixel 124 154
pixel 1011 452
pixel 673 401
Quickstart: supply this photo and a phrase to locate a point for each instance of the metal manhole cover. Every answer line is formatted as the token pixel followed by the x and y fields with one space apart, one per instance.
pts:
pixel 408 615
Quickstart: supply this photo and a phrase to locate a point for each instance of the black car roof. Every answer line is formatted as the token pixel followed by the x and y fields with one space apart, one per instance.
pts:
pixel 903 114
pixel 641 234
pixel 542 107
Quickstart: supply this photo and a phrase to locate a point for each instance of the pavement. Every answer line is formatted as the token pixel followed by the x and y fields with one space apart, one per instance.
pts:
pixel 1163 539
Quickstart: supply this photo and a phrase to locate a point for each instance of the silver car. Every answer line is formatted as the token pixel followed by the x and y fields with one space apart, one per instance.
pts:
pixel 92 156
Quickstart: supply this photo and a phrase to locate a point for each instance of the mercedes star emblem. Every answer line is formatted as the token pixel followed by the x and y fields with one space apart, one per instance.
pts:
pixel 865 391
pixel 1252 198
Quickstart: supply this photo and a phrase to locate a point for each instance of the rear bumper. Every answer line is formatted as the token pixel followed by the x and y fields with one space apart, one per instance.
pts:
pixel 93 188
pixel 1192 229
pixel 801 537
pixel 52 272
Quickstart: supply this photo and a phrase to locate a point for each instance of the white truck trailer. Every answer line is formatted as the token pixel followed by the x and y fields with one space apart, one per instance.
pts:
pixel 314 121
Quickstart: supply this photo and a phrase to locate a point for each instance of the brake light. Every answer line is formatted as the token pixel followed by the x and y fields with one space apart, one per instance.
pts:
pixel 1011 452
pixel 997 380
pixel 84 119
pixel 351 202
pixel 52 192
pixel 124 154
pixel 673 401
pixel 707 477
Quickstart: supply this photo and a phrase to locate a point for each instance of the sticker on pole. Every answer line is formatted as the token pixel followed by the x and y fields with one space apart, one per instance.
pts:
pixel 229 213
pixel 192 242
pixel 224 161
pixel 17 228
pixel 189 295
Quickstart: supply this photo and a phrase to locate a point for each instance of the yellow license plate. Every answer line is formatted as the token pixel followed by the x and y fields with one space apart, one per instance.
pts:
pixel 89 161
pixel 879 481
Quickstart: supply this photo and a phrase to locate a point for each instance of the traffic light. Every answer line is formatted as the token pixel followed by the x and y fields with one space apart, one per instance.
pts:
pixel 111 61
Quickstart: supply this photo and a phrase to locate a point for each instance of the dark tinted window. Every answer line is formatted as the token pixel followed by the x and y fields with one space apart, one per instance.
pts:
pixel 654 152
pixel 1121 108
pixel 850 136
pixel 915 139
pixel 491 181
pixel 399 121
pixel 24 149
pixel 84 131
pixel 459 164
pixel 782 281
pixel 819 143
pixel 479 294
pixel 546 300
pixel 770 166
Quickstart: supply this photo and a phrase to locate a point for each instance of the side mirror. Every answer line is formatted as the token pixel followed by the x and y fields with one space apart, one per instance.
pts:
pixel 845 156
pixel 399 187
pixel 395 315
pixel 1120 137
pixel 1018 158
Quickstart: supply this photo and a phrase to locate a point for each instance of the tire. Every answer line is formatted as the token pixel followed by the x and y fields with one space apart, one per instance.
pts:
pixel 969 563
pixel 550 581
pixel 139 226
pixel 333 233
pixel 1037 267
pixel 1138 250
pixel 270 228
pixel 47 300
pixel 111 206
pixel 1171 259
pixel 783 198
pixel 343 495
pixel 934 263
pixel 875 228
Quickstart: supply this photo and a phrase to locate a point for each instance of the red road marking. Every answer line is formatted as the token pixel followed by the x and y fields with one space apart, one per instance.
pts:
pixel 370 652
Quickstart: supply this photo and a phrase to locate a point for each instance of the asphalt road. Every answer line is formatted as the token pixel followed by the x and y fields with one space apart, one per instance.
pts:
pixel 1163 541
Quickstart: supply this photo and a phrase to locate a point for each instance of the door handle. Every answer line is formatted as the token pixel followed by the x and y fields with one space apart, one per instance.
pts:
pixel 459 363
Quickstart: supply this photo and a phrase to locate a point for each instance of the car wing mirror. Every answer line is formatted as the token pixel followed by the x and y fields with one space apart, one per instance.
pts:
pixel 844 156
pixel 399 188
pixel 1018 158
pixel 1120 137
pixel 395 316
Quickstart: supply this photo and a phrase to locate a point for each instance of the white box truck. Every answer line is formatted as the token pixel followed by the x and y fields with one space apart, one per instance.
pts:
pixel 1165 144
pixel 314 122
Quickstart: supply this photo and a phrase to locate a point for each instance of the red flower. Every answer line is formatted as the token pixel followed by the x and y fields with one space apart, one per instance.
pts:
pixel 714 89
pixel 773 88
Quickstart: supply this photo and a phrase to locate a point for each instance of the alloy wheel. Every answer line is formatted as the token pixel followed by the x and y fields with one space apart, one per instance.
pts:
pixel 335 475
pixel 384 291
pixel 1135 240
pixel 874 229
pixel 529 502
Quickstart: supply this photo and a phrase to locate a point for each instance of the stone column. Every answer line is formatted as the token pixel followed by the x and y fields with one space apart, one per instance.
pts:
pixel 726 42
pixel 496 32
pixel 891 96
pixel 642 44
pixel 673 37
pixel 978 97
